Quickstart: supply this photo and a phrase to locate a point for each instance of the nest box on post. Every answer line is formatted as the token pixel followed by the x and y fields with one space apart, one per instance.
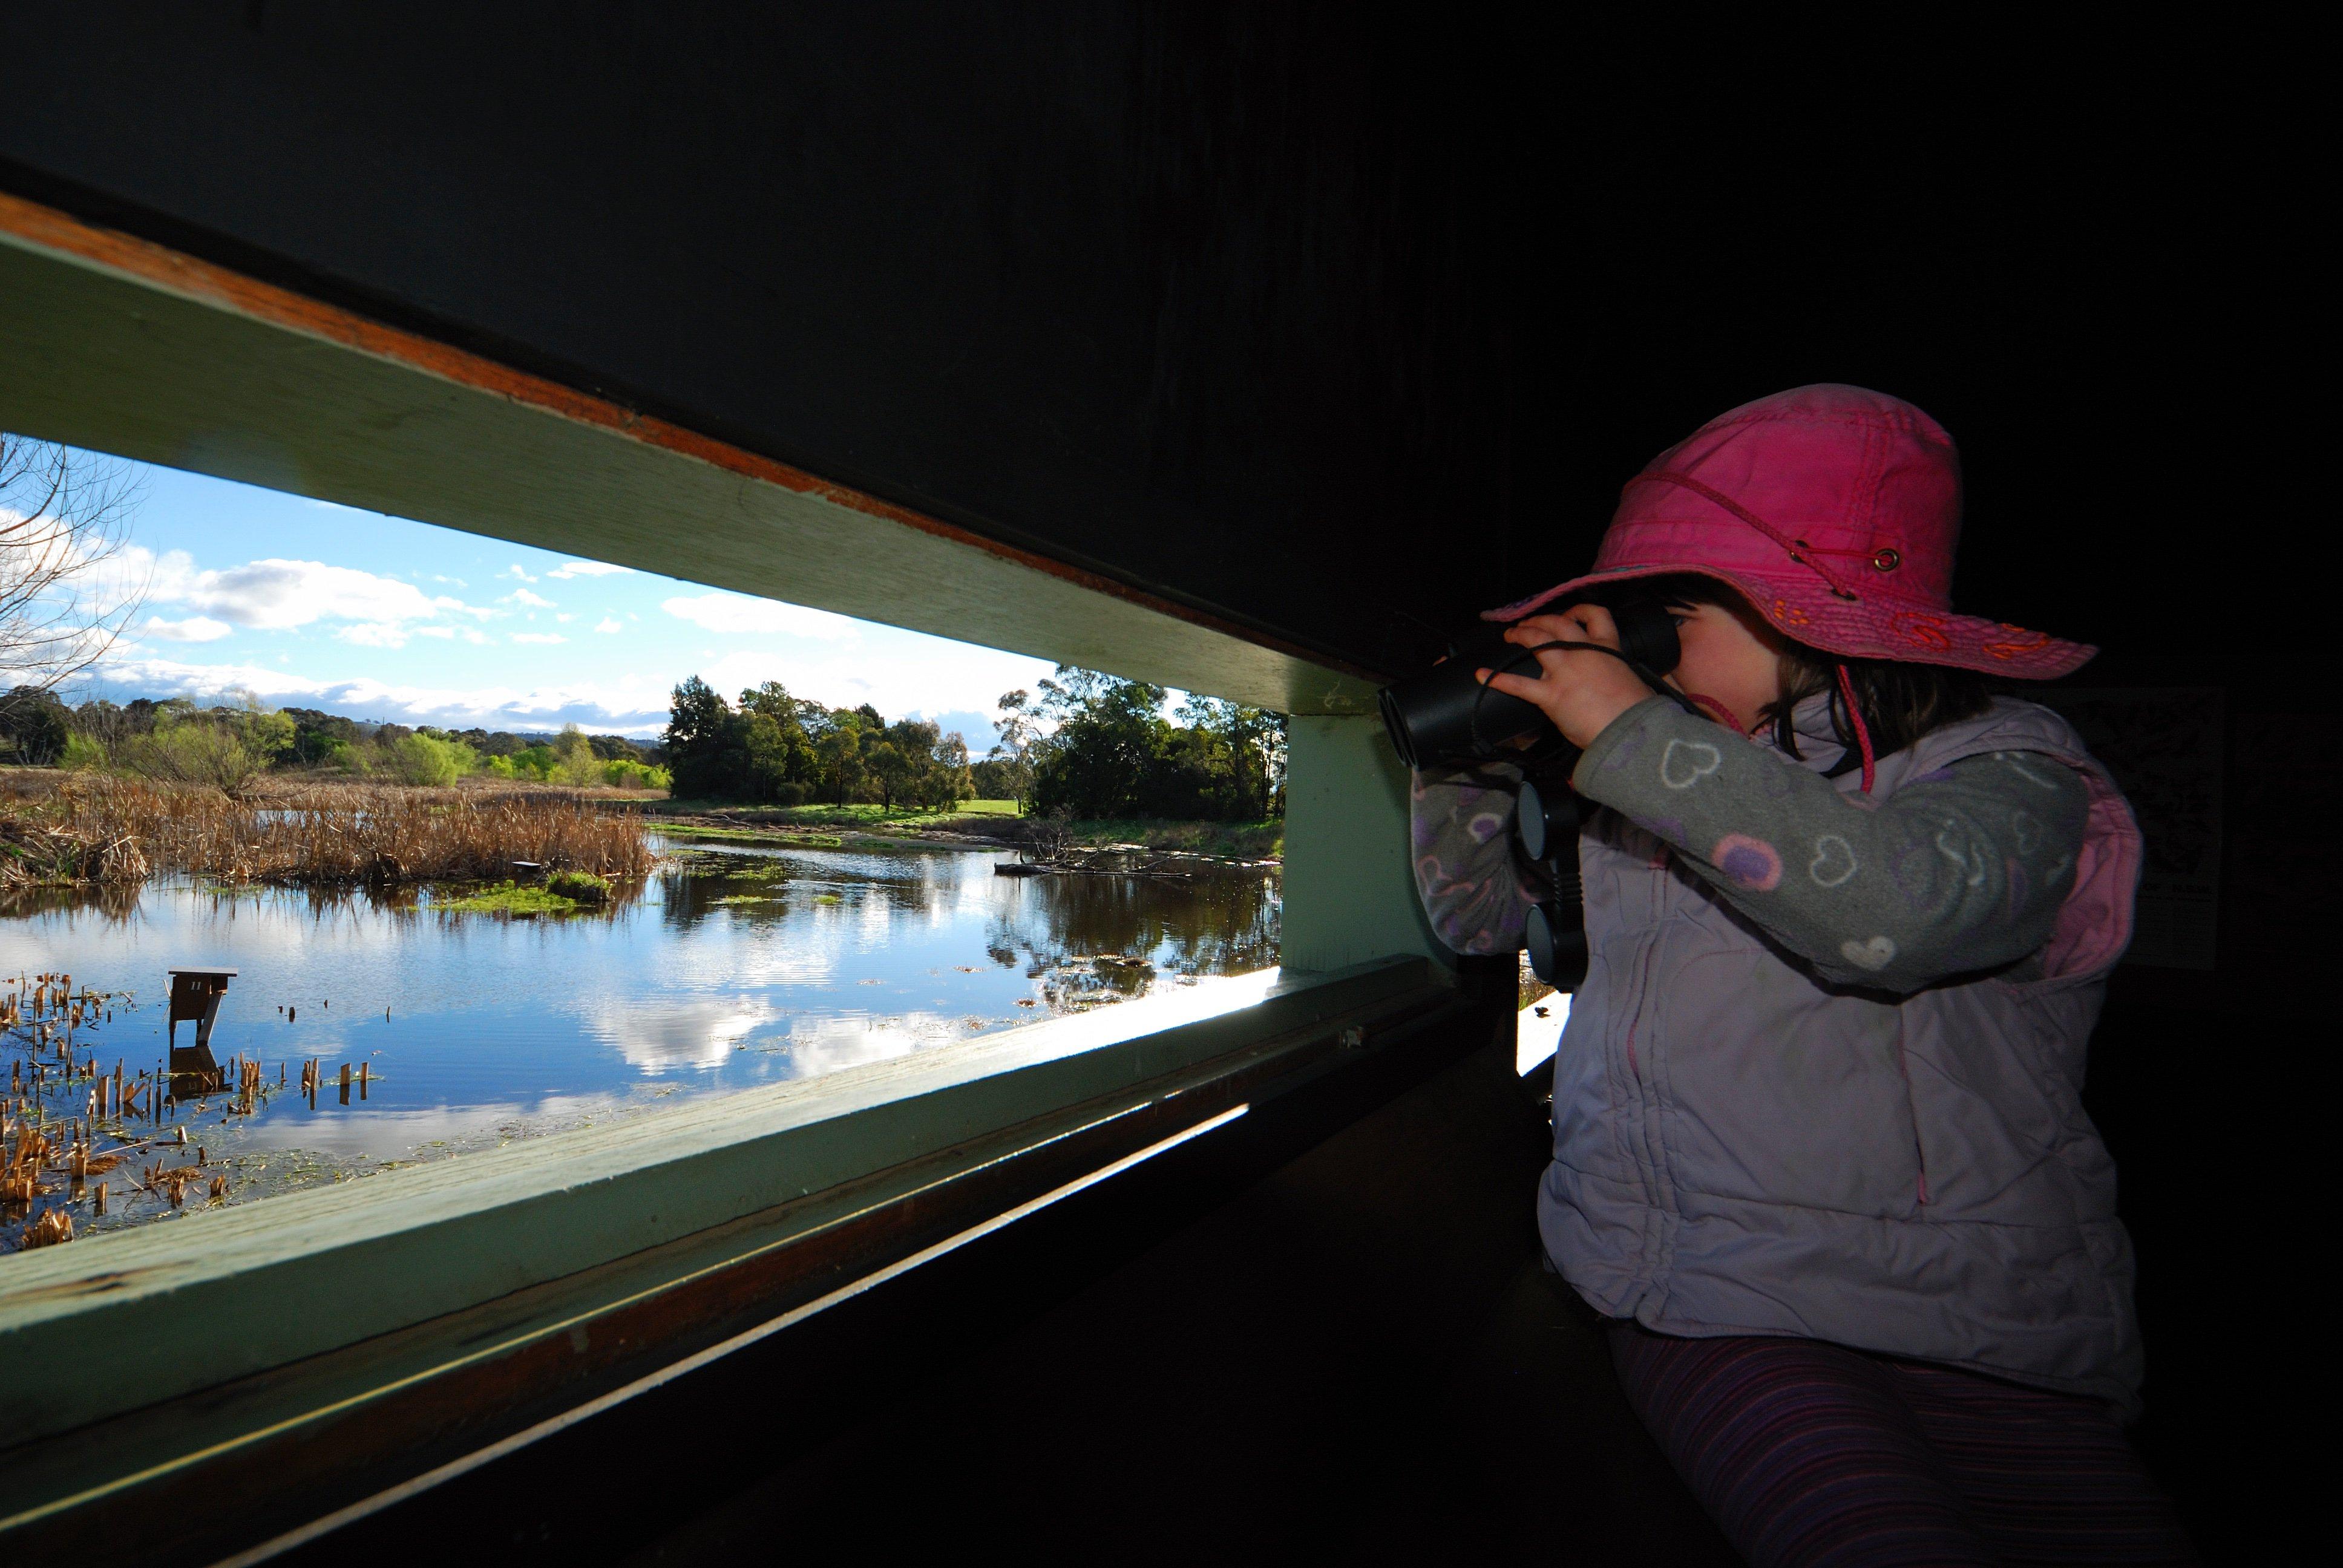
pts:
pixel 196 996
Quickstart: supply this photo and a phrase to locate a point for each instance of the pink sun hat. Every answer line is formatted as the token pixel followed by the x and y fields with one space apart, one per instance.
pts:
pixel 1836 511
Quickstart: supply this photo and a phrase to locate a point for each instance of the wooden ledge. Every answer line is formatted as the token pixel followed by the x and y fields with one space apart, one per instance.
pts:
pixel 130 1318
pixel 302 1438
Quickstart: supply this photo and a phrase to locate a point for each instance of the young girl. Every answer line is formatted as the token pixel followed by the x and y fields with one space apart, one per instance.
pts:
pixel 1819 1157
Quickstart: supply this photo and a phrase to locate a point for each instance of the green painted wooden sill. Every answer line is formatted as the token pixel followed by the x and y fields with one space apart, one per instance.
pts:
pixel 127 1319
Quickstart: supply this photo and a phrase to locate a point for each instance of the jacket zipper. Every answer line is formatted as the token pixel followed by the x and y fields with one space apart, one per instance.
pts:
pixel 1643 966
pixel 1912 1113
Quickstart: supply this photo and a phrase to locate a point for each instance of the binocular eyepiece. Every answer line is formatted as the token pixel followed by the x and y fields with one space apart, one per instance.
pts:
pixel 1447 715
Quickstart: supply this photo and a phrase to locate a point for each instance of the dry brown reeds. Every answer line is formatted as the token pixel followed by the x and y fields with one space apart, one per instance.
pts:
pixel 39 854
pixel 93 829
pixel 55 1225
pixel 20 1167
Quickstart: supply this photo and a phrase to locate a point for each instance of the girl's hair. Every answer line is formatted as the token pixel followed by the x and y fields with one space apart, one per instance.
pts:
pixel 1900 703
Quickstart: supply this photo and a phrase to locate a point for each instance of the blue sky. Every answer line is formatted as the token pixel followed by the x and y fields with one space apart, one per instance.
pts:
pixel 310 605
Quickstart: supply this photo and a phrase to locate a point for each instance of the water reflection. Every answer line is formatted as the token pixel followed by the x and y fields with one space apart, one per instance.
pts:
pixel 726 969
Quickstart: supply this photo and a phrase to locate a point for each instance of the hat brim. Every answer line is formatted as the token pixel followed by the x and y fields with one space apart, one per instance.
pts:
pixel 1875 628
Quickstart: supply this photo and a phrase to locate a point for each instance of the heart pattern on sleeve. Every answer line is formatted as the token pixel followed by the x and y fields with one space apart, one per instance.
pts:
pixel 1686 762
pixel 1834 861
pixel 1874 955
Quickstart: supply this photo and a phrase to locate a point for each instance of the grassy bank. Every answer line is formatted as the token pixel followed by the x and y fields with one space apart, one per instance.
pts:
pixel 1222 840
pixel 717 821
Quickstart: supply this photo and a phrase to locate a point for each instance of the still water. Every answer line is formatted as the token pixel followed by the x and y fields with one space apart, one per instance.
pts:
pixel 730 968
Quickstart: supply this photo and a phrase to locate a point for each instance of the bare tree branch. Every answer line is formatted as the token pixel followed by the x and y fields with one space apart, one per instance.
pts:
pixel 64 519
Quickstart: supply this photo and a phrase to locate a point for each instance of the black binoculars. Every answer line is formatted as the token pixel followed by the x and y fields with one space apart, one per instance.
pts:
pixel 1447 715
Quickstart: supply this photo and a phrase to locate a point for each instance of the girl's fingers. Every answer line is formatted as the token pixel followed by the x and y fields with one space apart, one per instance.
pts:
pixel 1519 686
pixel 1581 623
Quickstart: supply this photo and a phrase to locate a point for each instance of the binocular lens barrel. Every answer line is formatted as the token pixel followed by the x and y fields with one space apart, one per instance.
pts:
pixel 1446 715
pixel 1557 946
pixel 1545 822
pixel 1450 714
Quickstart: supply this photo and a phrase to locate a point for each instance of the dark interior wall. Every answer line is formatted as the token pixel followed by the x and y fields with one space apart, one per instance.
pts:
pixel 1146 287
pixel 1326 317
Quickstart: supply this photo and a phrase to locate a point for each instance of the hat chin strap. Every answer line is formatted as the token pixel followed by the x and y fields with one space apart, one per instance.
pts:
pixel 1862 731
pixel 1715 709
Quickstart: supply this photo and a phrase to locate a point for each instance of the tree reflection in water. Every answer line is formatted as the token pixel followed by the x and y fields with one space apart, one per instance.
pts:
pixel 1093 937
pixel 725 970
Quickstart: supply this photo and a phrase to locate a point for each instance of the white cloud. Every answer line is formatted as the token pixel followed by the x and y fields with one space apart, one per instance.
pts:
pixel 538 637
pixel 609 623
pixel 632 705
pixel 523 597
pixel 442 631
pixel 732 612
pixel 588 569
pixel 195 628
pixel 476 637
pixel 514 570
pixel 455 582
pixel 275 594
pixel 565 618
pixel 374 634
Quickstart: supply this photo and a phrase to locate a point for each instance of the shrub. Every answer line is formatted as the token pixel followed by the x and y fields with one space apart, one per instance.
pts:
pixel 82 751
pixel 191 752
pixel 624 773
pixel 421 759
pixel 536 763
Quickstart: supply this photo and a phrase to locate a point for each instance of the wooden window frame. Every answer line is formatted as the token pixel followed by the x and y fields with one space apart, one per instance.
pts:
pixel 445 1304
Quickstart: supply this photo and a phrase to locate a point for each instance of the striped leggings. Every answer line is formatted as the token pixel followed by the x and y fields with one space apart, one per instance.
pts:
pixel 1813 1454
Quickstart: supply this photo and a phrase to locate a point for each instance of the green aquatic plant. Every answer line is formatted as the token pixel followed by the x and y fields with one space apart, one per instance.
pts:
pixel 512 899
pixel 579 887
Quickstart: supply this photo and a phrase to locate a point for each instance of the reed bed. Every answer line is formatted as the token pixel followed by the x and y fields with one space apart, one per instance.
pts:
pixel 93 829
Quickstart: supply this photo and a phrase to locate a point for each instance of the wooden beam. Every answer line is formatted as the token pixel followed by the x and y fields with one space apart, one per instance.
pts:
pixel 113 343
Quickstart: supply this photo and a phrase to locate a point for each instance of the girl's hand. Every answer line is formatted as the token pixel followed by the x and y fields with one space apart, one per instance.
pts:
pixel 1582 692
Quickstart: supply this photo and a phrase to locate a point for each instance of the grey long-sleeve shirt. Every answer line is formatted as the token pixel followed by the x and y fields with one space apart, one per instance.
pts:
pixel 1959 872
